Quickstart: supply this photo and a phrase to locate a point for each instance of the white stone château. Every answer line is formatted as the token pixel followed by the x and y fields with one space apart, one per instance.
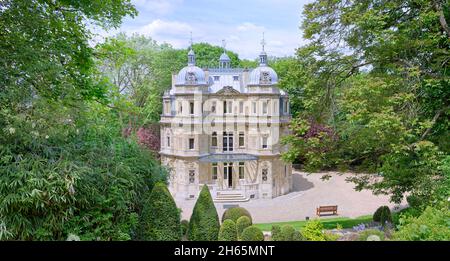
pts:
pixel 222 127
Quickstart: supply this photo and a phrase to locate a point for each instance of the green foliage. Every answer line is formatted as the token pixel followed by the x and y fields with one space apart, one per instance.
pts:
pixel 276 233
pixel 184 227
pixel 204 224
pixel 363 235
pixel 388 111
pixel 160 220
pixel 432 225
pixel 241 224
pixel 252 233
pixel 382 215
pixel 228 231
pixel 235 213
pixel 314 231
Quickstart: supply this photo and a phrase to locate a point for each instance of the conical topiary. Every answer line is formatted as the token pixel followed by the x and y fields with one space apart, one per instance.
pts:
pixel 160 220
pixel 204 224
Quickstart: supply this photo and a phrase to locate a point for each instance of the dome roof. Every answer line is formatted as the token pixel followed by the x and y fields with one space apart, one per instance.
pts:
pixel 191 75
pixel 225 57
pixel 263 75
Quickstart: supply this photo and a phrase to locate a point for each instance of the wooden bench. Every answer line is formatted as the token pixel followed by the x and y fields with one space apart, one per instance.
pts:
pixel 326 209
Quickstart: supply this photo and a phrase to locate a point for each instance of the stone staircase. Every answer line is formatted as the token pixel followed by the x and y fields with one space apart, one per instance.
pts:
pixel 230 196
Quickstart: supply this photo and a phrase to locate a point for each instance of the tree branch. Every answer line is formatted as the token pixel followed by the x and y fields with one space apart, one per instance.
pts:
pixel 442 19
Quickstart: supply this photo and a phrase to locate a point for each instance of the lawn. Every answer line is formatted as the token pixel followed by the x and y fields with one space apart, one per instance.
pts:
pixel 329 223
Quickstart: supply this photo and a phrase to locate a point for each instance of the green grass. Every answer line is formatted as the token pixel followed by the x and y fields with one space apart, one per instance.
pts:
pixel 328 223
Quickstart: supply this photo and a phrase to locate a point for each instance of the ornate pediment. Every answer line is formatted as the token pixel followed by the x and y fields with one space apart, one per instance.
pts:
pixel 228 90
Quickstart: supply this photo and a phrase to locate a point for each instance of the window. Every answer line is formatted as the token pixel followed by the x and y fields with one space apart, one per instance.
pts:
pixel 214 139
pixel 191 176
pixel 241 107
pixel 254 107
pixel 264 175
pixel 191 143
pixel 285 171
pixel 227 106
pixel 213 107
pixel 285 106
pixel 227 141
pixel 168 141
pixel 235 78
pixel 264 142
pixel 225 170
pixel 264 107
pixel 166 107
pixel 241 139
pixel 191 107
pixel 214 171
pixel 241 170
pixel 180 107
pixel 216 78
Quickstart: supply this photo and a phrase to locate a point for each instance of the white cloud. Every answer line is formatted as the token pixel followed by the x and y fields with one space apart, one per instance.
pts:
pixel 161 27
pixel 246 27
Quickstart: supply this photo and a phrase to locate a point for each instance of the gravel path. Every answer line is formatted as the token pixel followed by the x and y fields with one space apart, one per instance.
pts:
pixel 310 191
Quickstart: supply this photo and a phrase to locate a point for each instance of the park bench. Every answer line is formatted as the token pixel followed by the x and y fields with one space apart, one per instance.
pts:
pixel 326 209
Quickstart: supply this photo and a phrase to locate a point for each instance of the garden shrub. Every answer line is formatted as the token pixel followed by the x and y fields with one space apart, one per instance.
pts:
pixel 382 215
pixel 297 236
pixel 160 219
pixel 228 231
pixel 235 213
pixel 287 233
pixel 276 233
pixel 241 224
pixel 204 224
pixel 184 227
pixel 252 233
pixel 363 235
pixel 431 225
pixel 313 231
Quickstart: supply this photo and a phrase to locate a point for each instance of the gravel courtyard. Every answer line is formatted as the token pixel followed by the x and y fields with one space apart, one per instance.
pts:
pixel 309 192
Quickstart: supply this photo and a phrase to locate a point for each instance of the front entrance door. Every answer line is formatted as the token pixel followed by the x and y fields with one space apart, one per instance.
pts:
pixel 228 174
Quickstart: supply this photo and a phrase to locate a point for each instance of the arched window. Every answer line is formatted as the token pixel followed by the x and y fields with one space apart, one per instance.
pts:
pixel 214 139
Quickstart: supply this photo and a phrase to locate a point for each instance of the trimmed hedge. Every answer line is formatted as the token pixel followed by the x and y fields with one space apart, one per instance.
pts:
pixel 228 231
pixel 382 215
pixel 252 233
pixel 184 227
pixel 235 213
pixel 160 220
pixel 204 224
pixel 276 233
pixel 241 224
pixel 287 233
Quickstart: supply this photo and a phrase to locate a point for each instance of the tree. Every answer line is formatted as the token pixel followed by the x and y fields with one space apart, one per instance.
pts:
pixel 235 213
pixel 228 231
pixel 204 224
pixel 388 110
pixel 160 216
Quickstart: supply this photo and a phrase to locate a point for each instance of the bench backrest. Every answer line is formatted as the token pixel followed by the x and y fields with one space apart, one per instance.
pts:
pixel 327 208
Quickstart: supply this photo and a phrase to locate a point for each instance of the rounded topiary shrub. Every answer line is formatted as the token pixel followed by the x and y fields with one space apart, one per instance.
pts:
pixel 364 235
pixel 276 233
pixel 241 224
pixel 297 236
pixel 160 220
pixel 235 213
pixel 184 227
pixel 252 233
pixel 204 224
pixel 287 233
pixel 382 215
pixel 228 231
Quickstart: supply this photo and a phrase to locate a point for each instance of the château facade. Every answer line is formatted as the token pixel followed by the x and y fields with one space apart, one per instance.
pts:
pixel 222 127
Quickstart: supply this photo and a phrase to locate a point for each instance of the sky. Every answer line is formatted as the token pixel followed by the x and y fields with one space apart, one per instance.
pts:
pixel 240 23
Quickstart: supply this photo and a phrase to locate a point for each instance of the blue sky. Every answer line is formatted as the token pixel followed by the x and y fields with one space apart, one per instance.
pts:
pixel 240 23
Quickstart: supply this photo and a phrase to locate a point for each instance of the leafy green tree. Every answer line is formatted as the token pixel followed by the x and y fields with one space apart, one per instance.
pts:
pixel 368 103
pixel 228 231
pixel 204 224
pixel 160 219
